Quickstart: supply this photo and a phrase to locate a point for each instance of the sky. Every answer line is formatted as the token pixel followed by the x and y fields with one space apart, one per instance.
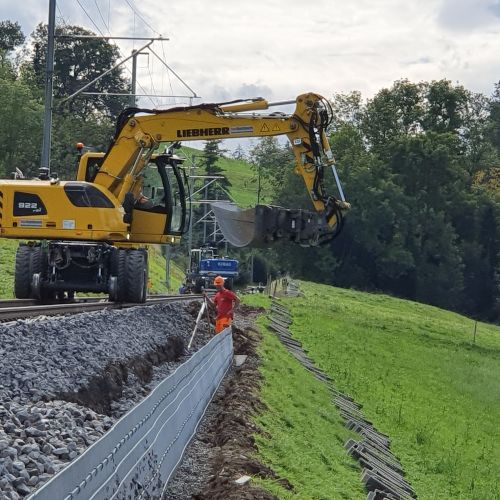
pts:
pixel 278 49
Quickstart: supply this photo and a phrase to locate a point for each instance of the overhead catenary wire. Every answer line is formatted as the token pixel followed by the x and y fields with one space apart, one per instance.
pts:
pixel 135 10
pixel 101 16
pixel 102 34
pixel 89 17
pixel 137 13
pixel 168 73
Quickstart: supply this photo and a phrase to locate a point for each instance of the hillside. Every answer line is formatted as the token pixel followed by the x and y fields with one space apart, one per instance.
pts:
pixel 419 377
pixel 240 174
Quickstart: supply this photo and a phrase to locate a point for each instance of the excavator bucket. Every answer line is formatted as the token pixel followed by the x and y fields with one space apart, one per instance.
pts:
pixel 263 225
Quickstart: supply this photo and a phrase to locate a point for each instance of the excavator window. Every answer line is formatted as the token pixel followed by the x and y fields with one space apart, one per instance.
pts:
pixel 85 195
pixel 153 191
pixel 93 165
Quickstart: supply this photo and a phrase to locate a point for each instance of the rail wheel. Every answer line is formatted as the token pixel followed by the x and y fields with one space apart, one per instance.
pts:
pixel 199 284
pixel 38 271
pixel 118 284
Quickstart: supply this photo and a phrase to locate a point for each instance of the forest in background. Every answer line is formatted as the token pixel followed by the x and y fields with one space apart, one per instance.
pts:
pixel 419 163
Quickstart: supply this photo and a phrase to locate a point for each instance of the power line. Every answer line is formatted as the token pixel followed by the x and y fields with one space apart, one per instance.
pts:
pixel 137 13
pixel 168 73
pixel 101 16
pixel 90 18
pixel 109 16
pixel 61 17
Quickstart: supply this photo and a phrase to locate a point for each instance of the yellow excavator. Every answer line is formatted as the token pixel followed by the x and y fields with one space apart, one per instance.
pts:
pixel 91 234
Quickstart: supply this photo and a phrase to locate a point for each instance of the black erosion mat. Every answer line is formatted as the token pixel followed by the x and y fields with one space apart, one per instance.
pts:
pixel 263 224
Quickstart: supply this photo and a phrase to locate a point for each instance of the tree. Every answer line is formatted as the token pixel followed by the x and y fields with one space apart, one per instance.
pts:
pixel 78 62
pixel 419 164
pixel 212 153
pixel 20 127
pixel 271 161
pixel 11 35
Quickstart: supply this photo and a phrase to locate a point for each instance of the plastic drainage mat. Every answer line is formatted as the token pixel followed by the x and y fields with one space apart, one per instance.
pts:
pixel 139 454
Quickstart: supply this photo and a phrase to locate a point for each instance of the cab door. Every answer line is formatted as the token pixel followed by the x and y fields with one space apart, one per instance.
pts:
pixel 160 214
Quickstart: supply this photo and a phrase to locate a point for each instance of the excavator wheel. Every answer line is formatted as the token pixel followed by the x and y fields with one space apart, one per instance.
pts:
pixel 22 277
pixel 118 272
pixel 199 284
pixel 136 276
pixel 38 267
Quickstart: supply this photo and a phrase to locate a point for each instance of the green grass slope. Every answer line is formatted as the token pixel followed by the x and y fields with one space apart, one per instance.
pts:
pixel 240 174
pixel 7 263
pixel 303 434
pixel 420 380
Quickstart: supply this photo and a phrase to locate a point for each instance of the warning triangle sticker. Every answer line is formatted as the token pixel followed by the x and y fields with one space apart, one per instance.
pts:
pixel 264 128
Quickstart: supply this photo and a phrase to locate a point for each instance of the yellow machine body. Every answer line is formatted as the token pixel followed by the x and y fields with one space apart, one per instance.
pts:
pixel 44 210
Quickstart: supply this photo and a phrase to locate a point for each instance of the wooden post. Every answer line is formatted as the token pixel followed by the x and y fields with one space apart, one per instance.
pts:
pixel 475 329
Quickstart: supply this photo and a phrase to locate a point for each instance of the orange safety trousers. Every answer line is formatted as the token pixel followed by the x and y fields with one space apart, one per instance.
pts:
pixel 221 323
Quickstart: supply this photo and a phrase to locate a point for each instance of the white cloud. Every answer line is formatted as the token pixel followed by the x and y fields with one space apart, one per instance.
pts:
pixel 278 49
pixel 466 15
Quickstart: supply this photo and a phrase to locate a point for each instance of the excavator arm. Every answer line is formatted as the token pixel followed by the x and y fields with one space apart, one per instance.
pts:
pixel 140 131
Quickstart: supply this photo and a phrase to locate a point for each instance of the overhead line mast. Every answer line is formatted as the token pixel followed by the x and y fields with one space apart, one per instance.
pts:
pixel 49 79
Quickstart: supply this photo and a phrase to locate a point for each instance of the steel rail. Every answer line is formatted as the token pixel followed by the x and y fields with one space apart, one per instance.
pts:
pixel 11 310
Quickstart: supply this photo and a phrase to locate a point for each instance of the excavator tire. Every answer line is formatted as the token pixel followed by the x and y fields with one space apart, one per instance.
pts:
pixel 119 270
pixel 22 277
pixel 38 265
pixel 137 276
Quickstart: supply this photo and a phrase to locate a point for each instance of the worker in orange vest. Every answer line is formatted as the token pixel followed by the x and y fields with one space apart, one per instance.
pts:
pixel 224 301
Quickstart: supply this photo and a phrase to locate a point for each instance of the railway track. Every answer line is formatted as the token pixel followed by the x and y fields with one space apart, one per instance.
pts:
pixel 14 309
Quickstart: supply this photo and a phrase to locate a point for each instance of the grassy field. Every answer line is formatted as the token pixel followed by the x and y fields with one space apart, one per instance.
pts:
pixel 7 258
pixel 419 377
pixel 303 435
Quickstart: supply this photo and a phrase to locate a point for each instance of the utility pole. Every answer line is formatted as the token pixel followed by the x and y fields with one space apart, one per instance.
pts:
pixel 49 78
pixel 134 78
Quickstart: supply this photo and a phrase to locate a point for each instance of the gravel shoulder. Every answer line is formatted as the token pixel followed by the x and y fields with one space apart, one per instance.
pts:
pixel 65 381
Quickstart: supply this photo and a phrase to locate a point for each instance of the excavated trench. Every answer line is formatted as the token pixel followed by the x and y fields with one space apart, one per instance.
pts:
pixel 223 450
pixel 102 390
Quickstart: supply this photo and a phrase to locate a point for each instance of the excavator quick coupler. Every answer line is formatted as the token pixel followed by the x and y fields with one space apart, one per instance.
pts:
pixel 263 225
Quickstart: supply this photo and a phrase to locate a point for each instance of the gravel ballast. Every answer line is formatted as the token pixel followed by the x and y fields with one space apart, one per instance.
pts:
pixel 64 382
